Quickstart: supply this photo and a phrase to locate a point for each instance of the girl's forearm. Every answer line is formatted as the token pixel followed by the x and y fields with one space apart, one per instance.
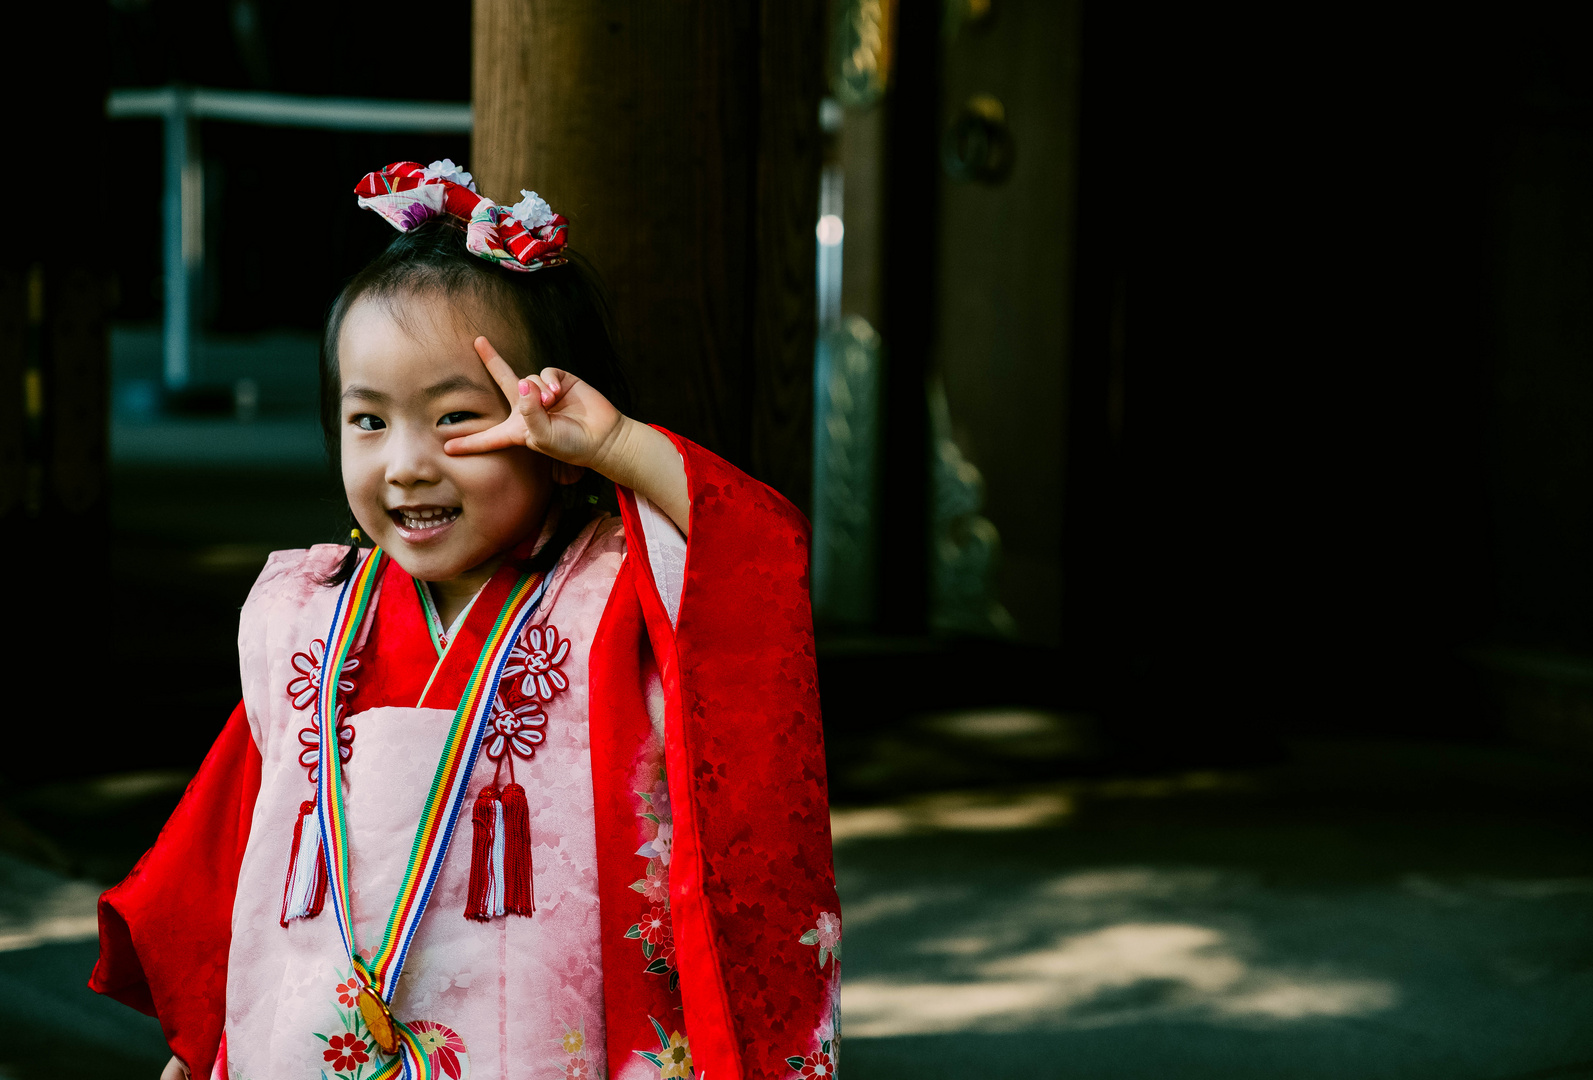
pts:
pixel 644 460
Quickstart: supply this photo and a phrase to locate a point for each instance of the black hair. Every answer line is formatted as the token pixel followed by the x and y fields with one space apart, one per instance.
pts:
pixel 563 310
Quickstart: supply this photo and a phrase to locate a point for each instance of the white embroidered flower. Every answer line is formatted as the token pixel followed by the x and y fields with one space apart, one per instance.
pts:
pixel 829 930
pixel 303 688
pixel 827 936
pixel 310 739
pixel 447 170
pixel 532 210
pixel 535 659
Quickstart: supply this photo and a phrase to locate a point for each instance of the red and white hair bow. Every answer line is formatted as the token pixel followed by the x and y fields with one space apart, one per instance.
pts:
pixel 525 236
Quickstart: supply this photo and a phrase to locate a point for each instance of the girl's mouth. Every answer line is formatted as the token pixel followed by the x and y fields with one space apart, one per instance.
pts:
pixel 420 523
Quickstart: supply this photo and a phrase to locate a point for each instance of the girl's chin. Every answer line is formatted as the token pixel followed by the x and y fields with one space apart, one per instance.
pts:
pixel 428 562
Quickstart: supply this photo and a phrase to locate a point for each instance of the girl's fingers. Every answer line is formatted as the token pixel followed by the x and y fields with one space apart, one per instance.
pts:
pixel 533 411
pixel 533 386
pixel 509 433
pixel 558 381
pixel 498 368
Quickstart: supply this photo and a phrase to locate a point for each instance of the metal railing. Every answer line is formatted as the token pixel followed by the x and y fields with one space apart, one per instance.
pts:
pixel 182 205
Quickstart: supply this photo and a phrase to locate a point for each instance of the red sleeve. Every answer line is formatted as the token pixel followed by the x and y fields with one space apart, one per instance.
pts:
pixel 165 930
pixel 752 872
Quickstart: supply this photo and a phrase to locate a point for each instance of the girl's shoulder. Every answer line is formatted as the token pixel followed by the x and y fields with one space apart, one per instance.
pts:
pixel 596 552
pixel 296 576
pixel 605 534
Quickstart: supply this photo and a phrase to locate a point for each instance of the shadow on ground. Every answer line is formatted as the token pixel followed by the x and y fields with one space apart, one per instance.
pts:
pixel 1362 911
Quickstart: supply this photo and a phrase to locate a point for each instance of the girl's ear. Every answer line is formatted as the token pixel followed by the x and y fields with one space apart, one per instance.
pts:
pixel 565 473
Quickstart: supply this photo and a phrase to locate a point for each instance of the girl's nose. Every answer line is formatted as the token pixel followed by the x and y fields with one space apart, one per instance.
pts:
pixel 412 459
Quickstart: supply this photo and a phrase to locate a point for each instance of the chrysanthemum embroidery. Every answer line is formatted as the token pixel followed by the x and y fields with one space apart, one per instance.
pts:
pixel 535 660
pixel 444 1048
pixel 673 1056
pixel 347 1053
pixel 823 1063
pixel 576 1064
pixel 827 936
pixel 515 729
pixel 310 739
pixel 816 1066
pixel 653 930
pixel 303 687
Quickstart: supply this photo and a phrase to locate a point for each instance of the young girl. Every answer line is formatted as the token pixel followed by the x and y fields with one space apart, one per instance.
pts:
pixel 525 790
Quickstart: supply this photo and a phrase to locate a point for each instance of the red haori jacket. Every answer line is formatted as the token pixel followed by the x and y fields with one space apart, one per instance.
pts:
pixel 751 871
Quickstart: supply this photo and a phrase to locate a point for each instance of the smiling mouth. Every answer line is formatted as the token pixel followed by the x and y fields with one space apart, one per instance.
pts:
pixel 422 522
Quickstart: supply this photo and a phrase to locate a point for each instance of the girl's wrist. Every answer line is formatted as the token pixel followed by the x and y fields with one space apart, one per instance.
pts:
pixel 644 459
pixel 617 457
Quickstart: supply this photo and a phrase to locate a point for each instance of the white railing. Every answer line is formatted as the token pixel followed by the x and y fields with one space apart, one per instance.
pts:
pixel 182 216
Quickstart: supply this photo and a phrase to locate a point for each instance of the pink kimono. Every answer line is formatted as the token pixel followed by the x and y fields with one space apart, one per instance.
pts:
pixel 685 914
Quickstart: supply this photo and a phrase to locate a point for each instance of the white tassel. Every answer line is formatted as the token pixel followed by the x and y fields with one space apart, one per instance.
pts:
pixel 495 868
pixel 305 892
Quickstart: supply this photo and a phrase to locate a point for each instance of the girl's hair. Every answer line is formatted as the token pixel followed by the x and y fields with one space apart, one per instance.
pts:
pixel 563 310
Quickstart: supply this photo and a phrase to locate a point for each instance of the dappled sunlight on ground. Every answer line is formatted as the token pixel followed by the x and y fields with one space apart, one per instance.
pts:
pixel 37 907
pixel 1210 926
pixel 1124 972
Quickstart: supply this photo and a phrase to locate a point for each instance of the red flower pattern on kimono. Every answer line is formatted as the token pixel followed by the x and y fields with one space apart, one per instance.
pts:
pixel 535 661
pixel 655 886
pixel 573 1043
pixel 515 728
pixel 818 1066
pixel 346 1051
pixel 655 926
pixel 442 1045
pixel 303 689
pixel 348 993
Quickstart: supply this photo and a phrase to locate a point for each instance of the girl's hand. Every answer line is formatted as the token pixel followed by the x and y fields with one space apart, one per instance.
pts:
pixel 556 414
pixel 175 1070
pixel 553 413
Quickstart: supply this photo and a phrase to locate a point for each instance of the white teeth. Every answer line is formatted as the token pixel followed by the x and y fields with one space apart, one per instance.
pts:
pixel 431 517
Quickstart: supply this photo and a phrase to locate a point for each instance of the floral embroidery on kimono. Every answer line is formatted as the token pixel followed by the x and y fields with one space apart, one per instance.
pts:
pixel 653 929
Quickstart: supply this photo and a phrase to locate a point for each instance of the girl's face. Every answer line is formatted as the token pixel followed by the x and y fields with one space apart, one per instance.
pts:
pixel 408 387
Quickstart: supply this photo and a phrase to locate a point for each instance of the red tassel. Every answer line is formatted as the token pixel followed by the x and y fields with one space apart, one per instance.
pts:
pixel 518 895
pixel 318 894
pixel 302 897
pixel 482 904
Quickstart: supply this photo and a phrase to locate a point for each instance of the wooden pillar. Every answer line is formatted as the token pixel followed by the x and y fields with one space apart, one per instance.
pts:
pixel 682 142
pixel 908 295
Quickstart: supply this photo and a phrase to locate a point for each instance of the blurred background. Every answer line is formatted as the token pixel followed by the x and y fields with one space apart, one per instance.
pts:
pixel 1193 405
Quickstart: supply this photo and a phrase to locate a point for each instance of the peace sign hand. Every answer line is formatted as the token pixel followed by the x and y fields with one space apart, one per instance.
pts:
pixel 552 413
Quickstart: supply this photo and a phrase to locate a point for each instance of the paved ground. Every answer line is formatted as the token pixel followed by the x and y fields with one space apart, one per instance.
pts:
pixel 1365 911
pixel 1250 926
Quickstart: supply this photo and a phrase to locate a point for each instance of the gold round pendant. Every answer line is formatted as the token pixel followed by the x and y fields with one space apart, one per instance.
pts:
pixel 379 1020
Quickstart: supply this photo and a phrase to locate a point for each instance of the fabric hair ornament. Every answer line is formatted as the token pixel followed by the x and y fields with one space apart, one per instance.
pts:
pixel 525 236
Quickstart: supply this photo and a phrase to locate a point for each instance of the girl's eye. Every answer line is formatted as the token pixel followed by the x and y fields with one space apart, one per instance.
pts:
pixel 457 417
pixel 367 422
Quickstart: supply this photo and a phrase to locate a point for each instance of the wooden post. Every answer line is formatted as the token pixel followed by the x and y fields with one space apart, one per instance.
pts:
pixel 909 283
pixel 682 142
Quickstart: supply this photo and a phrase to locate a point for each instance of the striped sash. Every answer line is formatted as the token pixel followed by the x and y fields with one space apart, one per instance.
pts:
pixel 439 814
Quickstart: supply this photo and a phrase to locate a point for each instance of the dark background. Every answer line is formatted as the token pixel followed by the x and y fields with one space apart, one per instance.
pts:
pixel 1330 392
pixel 1347 257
